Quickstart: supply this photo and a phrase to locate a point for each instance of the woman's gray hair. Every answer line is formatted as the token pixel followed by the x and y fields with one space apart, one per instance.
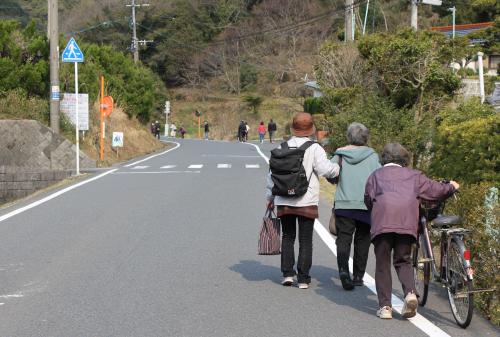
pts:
pixel 395 153
pixel 357 134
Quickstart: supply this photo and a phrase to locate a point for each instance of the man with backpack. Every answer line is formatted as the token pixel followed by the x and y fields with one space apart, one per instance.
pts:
pixel 293 186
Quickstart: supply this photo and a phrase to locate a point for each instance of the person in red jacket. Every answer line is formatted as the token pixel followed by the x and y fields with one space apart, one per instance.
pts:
pixel 262 131
pixel 392 194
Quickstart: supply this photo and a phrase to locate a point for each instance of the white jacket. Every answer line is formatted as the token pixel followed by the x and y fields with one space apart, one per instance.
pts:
pixel 315 161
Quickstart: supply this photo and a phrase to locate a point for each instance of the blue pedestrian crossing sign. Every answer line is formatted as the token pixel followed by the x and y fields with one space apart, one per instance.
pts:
pixel 72 53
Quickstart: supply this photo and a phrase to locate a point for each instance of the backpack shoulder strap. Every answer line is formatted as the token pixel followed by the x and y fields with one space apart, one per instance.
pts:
pixel 306 145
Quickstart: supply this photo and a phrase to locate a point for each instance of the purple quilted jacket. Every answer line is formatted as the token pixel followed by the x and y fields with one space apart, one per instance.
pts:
pixel 393 194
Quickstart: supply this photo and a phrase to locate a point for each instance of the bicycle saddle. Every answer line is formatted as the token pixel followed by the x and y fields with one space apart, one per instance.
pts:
pixel 446 221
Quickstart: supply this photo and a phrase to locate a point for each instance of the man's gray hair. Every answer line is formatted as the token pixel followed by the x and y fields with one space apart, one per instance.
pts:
pixel 395 153
pixel 357 134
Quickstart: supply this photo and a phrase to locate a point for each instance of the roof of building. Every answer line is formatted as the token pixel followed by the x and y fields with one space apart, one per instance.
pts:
pixel 313 84
pixel 462 30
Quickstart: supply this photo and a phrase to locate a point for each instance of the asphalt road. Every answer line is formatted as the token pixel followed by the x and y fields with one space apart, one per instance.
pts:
pixel 167 247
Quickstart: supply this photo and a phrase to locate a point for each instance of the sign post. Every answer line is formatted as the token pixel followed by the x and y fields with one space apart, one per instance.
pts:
pixel 73 53
pixel 167 113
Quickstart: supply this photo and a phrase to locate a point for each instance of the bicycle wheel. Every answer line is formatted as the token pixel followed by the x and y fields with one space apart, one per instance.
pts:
pixel 459 286
pixel 421 271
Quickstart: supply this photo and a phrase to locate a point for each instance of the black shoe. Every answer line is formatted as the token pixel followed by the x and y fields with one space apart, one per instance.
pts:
pixel 346 280
pixel 358 281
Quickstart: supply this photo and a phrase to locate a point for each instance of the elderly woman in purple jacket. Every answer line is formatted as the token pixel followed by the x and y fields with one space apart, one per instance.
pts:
pixel 393 193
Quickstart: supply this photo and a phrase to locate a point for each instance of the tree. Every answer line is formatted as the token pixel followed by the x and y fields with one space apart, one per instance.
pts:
pixel 253 102
pixel 411 67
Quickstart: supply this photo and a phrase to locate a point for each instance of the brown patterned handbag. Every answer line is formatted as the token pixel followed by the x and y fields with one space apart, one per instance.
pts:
pixel 270 234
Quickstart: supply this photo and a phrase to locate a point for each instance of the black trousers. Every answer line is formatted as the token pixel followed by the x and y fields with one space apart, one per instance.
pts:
pixel 346 229
pixel 304 262
pixel 400 245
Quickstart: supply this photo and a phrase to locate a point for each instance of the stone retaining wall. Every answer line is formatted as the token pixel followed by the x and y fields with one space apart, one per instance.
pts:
pixel 15 185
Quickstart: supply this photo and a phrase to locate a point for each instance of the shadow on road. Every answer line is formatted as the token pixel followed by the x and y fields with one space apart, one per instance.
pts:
pixel 256 271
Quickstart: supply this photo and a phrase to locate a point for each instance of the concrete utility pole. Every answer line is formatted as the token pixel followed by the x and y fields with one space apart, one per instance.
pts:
pixel 481 75
pixel 453 10
pixel 135 42
pixel 349 20
pixel 414 14
pixel 53 35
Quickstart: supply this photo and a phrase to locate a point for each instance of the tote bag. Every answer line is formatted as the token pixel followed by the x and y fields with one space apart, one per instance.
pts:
pixel 270 234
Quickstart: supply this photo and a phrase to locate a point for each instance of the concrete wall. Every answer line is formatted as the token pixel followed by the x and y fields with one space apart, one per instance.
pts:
pixel 28 145
pixel 15 185
pixel 32 157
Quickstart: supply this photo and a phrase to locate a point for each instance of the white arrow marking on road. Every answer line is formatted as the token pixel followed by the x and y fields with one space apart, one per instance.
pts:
pixel 419 321
pixel 195 166
pixel 252 166
pixel 223 165
pixel 139 167
pixel 168 166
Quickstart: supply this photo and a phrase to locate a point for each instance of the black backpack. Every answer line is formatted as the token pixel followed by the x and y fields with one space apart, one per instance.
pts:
pixel 287 171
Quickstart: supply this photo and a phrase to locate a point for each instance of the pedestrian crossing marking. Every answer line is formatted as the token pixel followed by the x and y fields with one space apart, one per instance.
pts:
pixel 168 166
pixel 252 166
pixel 139 167
pixel 223 165
pixel 196 166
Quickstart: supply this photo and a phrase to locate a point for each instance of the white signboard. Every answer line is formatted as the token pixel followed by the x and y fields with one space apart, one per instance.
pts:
pixel 117 139
pixel 67 107
pixel 433 2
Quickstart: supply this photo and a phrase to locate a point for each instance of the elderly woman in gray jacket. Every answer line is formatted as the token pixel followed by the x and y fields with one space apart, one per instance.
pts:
pixel 352 218
pixel 303 209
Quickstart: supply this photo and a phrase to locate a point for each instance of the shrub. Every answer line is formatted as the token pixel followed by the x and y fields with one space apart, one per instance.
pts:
pixel 253 102
pixel 467 144
pixel 313 105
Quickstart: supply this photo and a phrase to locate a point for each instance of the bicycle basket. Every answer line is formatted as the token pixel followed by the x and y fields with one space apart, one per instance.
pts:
pixel 430 209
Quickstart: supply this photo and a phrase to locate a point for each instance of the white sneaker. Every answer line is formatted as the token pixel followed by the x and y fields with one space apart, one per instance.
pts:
pixel 303 285
pixel 287 281
pixel 410 306
pixel 385 312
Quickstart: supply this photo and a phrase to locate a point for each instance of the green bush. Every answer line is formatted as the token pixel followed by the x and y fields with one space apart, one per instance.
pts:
pixel 484 245
pixel 313 105
pixel 467 144
pixel 15 104
pixel 253 102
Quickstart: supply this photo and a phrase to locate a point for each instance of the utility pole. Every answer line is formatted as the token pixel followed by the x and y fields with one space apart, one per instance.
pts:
pixel 53 35
pixel 349 20
pixel 414 14
pixel 135 41
pixel 453 11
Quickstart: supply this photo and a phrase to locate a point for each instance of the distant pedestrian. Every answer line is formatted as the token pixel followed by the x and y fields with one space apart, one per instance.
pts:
pixel 153 128
pixel 352 219
pixel 302 209
pixel 271 128
pixel 392 194
pixel 173 130
pixel 247 130
pixel 262 131
pixel 207 129
pixel 157 129
pixel 242 130
pixel 182 131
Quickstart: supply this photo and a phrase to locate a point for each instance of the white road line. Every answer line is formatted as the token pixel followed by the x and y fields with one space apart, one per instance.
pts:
pixel 154 172
pixel 223 165
pixel 139 167
pixel 168 166
pixel 195 166
pixel 419 321
pixel 52 196
pixel 250 166
pixel 228 156
pixel 155 155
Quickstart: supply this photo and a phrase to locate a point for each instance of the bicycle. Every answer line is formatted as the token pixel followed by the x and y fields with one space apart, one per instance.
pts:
pixel 454 271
